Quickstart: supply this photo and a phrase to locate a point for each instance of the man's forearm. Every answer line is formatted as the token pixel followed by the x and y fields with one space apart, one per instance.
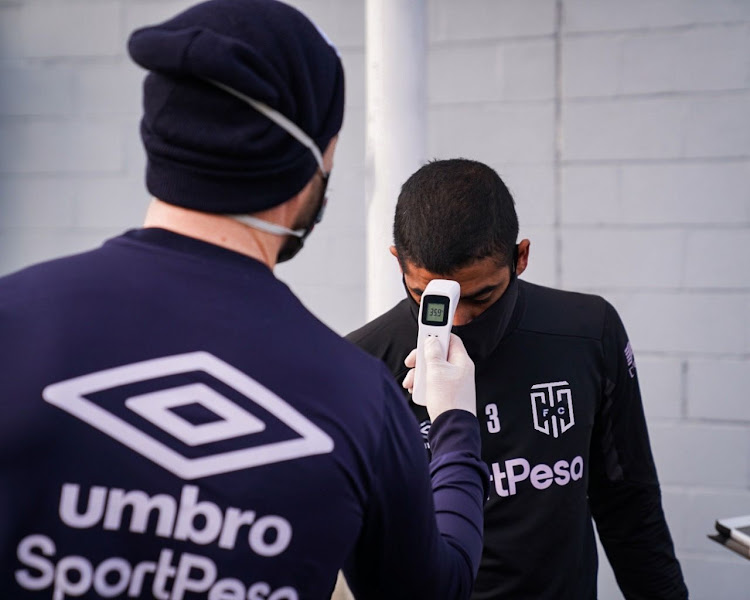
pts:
pixel 635 536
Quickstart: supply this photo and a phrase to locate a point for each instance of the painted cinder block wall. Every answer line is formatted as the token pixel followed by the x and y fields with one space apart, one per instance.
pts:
pixel 622 128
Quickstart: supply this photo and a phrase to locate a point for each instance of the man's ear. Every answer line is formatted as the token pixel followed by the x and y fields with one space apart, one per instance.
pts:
pixel 523 256
pixel 394 252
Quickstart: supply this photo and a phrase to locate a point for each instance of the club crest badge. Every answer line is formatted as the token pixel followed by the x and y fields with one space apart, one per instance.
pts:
pixel 552 407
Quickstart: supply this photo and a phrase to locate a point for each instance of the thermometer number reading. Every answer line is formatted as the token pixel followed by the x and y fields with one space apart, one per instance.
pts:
pixel 435 313
pixel 435 310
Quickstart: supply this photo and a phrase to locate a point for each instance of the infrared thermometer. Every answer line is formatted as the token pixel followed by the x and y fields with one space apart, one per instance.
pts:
pixel 436 310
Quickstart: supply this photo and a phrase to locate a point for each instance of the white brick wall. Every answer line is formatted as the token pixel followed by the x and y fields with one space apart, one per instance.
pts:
pixel 495 133
pixel 655 214
pixel 343 21
pixel 715 126
pixel 647 195
pixel 662 386
pixel 519 70
pixel 490 19
pixel 533 188
pixel 108 88
pixel 614 15
pixel 686 193
pixel 138 13
pixel 702 455
pixel 624 129
pixel 694 60
pixel 696 193
pixel 51 146
pixel 36 90
pixel 38 244
pixel 684 323
pixel 615 258
pixel 717 258
pixel 591 66
pixel 717 389
pixel 705 505
pixel 541 267
pixel 63 29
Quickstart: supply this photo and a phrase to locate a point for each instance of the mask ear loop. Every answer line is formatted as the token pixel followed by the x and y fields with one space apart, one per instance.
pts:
pixel 289 126
pixel 292 129
pixel 514 262
pixel 267 226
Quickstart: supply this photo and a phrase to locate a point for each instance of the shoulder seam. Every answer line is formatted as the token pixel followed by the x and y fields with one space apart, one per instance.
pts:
pixel 356 339
pixel 567 335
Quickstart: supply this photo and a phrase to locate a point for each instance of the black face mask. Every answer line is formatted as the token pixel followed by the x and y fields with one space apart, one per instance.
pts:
pixel 482 335
pixel 293 243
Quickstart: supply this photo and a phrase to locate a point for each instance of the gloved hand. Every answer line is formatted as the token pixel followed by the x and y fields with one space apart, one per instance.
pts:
pixel 449 383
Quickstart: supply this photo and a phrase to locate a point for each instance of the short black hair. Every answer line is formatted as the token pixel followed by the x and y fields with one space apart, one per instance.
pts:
pixel 453 212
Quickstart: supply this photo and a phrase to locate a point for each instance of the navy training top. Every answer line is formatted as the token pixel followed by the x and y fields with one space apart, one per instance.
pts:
pixel 565 438
pixel 175 424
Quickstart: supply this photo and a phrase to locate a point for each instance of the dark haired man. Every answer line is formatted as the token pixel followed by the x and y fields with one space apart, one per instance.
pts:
pixel 563 430
pixel 175 424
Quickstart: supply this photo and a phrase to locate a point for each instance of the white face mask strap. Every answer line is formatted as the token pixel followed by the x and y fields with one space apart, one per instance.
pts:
pixel 267 226
pixel 275 116
pixel 293 130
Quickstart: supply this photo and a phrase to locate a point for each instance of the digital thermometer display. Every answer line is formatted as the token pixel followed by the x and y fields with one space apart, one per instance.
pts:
pixel 435 311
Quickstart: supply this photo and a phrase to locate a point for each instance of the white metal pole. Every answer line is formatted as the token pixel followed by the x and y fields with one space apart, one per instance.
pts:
pixel 396 132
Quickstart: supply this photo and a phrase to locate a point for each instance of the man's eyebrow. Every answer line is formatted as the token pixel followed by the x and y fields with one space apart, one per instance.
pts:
pixel 483 292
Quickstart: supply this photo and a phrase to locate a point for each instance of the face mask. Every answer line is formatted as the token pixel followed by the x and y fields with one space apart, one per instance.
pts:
pixel 482 335
pixel 294 242
pixel 295 237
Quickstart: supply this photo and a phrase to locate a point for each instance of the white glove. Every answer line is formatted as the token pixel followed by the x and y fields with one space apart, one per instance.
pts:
pixel 449 383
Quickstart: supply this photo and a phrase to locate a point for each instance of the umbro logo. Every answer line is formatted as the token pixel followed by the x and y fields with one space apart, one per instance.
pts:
pixel 552 407
pixel 630 358
pixel 424 429
pixel 145 406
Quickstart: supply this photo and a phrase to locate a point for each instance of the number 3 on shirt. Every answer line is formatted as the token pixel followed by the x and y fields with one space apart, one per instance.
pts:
pixel 493 420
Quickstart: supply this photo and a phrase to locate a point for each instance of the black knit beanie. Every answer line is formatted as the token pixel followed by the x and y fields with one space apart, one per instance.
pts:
pixel 207 149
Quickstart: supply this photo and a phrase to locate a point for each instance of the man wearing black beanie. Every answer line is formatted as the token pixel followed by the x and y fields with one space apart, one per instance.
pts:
pixel 175 423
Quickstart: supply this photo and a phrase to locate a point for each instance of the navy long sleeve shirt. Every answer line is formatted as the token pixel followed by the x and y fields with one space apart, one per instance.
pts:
pixel 175 424
pixel 564 434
